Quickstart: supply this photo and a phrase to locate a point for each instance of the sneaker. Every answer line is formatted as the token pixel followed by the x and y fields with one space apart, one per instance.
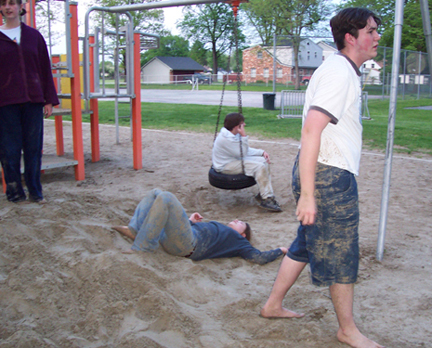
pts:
pixel 270 204
pixel 258 198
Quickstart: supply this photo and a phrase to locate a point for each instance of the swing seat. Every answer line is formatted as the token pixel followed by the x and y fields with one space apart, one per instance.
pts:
pixel 230 182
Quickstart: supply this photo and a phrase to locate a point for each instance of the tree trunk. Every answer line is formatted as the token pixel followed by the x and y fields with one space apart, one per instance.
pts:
pixel 215 59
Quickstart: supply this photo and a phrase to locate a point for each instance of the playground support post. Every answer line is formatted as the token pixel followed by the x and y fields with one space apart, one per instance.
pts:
pixel 94 107
pixel 30 16
pixel 390 131
pixel 427 31
pixel 274 63
pixel 58 119
pixel 136 106
pixel 76 95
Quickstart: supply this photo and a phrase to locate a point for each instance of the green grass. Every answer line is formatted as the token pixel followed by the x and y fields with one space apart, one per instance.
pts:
pixel 413 128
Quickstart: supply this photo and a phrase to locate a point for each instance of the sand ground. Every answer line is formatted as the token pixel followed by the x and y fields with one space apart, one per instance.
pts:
pixel 65 283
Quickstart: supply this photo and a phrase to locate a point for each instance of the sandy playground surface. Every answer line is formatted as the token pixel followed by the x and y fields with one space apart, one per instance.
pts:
pixel 65 283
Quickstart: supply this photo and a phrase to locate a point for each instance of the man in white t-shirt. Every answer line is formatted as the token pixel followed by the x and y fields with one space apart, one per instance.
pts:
pixel 324 183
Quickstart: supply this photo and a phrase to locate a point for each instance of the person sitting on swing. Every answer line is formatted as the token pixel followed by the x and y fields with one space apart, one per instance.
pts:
pixel 160 219
pixel 227 159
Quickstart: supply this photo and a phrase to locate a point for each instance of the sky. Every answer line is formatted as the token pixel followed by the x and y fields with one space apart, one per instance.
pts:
pixel 171 14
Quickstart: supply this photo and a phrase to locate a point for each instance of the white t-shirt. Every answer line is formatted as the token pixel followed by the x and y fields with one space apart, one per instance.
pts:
pixel 335 90
pixel 13 34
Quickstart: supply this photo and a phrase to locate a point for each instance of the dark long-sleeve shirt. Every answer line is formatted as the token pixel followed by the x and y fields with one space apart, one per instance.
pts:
pixel 215 240
pixel 25 70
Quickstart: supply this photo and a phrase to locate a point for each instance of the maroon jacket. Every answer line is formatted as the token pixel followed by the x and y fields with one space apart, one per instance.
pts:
pixel 25 70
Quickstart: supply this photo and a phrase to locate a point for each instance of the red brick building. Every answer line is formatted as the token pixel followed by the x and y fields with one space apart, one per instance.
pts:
pixel 258 62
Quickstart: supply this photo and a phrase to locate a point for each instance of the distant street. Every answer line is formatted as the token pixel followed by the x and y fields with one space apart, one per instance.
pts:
pixel 205 97
pixel 249 99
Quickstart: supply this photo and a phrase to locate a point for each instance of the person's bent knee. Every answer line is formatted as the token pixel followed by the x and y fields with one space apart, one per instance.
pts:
pixel 166 196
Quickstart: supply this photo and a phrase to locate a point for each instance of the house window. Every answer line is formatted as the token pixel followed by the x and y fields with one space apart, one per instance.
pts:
pixel 364 66
pixel 279 72
pixel 266 72
pixel 253 72
pixel 316 54
pixel 373 66
pixel 259 55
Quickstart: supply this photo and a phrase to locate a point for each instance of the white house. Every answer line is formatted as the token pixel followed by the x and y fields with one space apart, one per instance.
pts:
pixel 169 69
pixel 328 49
pixel 371 72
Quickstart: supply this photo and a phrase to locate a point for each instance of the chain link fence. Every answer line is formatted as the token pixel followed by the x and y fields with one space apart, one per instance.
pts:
pixel 414 74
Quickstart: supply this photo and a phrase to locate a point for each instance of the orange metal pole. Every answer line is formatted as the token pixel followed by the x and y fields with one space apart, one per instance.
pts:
pixel 136 106
pixel 76 96
pixel 94 106
pixel 30 17
pixel 58 118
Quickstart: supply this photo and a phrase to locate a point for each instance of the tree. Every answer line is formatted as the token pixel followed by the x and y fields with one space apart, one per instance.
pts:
pixel 149 21
pixel 412 30
pixel 260 14
pixel 213 25
pixel 50 19
pixel 170 46
pixel 199 53
pixel 286 17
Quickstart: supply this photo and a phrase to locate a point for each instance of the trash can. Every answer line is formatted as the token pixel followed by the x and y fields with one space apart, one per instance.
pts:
pixel 269 101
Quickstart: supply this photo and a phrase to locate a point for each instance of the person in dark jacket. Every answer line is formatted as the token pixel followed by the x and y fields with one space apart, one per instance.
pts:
pixel 161 219
pixel 27 92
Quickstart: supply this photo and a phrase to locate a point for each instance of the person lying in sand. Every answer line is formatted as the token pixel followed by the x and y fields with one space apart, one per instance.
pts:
pixel 160 219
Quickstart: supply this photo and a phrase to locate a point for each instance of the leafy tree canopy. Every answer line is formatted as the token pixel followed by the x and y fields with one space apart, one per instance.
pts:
pixel 285 17
pixel 412 29
pixel 170 46
pixel 199 53
pixel 150 21
pixel 213 26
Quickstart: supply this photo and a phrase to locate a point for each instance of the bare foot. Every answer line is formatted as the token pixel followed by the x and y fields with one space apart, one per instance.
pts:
pixel 125 231
pixel 280 313
pixel 357 340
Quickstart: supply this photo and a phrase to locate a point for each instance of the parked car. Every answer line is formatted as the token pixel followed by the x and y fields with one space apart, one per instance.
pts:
pixel 305 80
pixel 232 78
pixel 200 77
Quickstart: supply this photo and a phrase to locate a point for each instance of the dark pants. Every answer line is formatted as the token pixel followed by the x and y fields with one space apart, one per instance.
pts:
pixel 21 128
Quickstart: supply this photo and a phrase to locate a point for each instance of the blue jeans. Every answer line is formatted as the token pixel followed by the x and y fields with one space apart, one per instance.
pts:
pixel 331 244
pixel 21 129
pixel 160 218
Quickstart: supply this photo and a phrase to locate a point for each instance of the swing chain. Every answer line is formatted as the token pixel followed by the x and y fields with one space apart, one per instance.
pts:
pixel 222 97
pixel 238 80
pixel 238 77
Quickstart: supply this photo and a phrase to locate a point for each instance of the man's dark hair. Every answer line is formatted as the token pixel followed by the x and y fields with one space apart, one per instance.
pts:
pixel 233 119
pixel 350 20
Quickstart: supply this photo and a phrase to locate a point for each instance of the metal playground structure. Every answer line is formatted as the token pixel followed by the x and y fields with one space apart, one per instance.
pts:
pixel 94 51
